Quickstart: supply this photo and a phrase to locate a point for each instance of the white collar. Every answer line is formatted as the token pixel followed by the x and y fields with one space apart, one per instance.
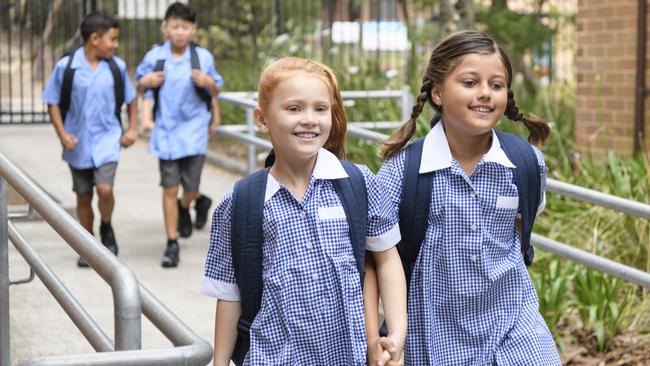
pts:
pixel 437 155
pixel 327 166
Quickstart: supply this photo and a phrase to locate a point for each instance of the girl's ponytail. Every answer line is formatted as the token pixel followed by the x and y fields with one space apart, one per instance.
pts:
pixel 538 129
pixel 402 136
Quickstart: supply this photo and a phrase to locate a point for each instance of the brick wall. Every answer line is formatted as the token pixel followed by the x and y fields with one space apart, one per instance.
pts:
pixel 606 67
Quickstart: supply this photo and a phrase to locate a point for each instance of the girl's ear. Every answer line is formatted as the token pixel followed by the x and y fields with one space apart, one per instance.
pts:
pixel 435 96
pixel 260 122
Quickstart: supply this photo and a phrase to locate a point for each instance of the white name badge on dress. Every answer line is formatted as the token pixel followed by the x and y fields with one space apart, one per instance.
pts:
pixel 507 202
pixel 331 213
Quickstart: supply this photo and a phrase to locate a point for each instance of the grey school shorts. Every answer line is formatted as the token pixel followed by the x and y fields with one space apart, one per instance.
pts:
pixel 185 171
pixel 83 180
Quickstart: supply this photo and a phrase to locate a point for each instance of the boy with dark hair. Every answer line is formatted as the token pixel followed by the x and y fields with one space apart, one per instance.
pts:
pixel 85 94
pixel 181 80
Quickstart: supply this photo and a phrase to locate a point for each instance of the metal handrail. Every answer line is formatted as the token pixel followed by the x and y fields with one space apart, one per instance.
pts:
pixel 131 298
pixel 124 285
pixel 597 198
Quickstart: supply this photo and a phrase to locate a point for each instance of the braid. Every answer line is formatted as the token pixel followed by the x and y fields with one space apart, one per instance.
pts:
pixel 538 129
pixel 402 136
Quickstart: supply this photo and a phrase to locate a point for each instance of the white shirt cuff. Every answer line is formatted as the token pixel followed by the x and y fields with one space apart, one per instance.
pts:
pixel 384 241
pixel 220 290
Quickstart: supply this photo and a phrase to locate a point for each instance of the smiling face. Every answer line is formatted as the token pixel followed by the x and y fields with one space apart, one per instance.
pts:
pixel 105 44
pixel 473 95
pixel 298 116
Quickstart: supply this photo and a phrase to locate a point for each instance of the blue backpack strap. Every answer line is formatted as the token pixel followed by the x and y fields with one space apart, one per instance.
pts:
pixel 528 180
pixel 118 86
pixel 66 85
pixel 414 207
pixel 159 66
pixel 246 240
pixel 354 197
pixel 194 57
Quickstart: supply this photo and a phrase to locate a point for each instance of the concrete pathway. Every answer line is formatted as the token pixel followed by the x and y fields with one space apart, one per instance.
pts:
pixel 39 327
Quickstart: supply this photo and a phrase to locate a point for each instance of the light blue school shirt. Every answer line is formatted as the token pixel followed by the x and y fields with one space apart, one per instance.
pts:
pixel 91 116
pixel 182 117
pixel 471 299
pixel 312 306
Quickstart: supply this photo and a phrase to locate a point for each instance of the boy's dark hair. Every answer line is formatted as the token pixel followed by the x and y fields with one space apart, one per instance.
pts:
pixel 96 22
pixel 182 11
pixel 443 60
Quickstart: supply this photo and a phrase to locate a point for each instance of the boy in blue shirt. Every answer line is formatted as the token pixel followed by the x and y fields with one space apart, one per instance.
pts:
pixel 183 97
pixel 86 119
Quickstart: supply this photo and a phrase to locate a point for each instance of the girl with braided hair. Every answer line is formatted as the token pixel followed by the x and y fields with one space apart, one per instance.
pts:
pixel 471 300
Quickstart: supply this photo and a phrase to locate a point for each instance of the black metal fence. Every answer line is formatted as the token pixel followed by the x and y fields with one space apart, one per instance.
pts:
pixel 35 33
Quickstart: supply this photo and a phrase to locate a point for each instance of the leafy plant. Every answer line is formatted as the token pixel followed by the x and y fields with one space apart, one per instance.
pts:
pixel 601 302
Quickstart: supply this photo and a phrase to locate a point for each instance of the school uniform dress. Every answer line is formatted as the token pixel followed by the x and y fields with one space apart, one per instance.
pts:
pixel 471 299
pixel 91 116
pixel 312 308
pixel 182 117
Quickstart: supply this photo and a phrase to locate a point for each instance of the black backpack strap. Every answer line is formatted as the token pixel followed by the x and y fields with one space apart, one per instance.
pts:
pixel 414 207
pixel 203 94
pixel 118 84
pixel 66 85
pixel 528 180
pixel 354 197
pixel 159 66
pixel 246 240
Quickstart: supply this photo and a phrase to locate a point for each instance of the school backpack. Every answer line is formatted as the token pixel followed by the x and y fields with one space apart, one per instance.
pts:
pixel 246 239
pixel 194 60
pixel 414 208
pixel 66 85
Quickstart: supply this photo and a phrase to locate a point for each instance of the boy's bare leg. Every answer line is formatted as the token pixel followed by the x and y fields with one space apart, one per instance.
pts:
pixel 85 210
pixel 106 201
pixel 188 197
pixel 170 210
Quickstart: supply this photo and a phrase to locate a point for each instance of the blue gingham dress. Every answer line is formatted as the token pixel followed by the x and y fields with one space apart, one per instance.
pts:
pixel 471 299
pixel 312 307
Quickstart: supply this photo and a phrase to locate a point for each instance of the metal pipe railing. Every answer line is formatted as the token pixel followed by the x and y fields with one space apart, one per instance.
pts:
pixel 79 316
pixel 597 198
pixel 189 349
pixel 592 260
pixel 126 296
pixel 5 343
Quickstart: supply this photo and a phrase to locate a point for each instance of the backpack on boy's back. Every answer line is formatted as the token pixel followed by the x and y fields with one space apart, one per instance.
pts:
pixel 247 238
pixel 68 77
pixel 194 60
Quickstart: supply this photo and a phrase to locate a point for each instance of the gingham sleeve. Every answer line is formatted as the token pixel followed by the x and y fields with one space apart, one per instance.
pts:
pixel 542 170
pixel 391 175
pixel 219 275
pixel 382 232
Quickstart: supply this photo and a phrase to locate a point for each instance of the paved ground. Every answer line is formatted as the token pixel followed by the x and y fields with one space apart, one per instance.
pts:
pixel 39 327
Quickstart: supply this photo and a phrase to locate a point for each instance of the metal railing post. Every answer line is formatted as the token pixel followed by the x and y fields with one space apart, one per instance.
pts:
pixel 4 277
pixel 250 128
pixel 406 103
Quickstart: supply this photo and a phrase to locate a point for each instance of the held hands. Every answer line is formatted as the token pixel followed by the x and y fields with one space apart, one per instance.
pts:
pixel 384 352
pixel 202 79
pixel 68 141
pixel 153 79
pixel 128 137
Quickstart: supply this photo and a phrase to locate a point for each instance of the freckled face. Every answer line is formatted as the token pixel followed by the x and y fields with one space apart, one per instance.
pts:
pixel 298 116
